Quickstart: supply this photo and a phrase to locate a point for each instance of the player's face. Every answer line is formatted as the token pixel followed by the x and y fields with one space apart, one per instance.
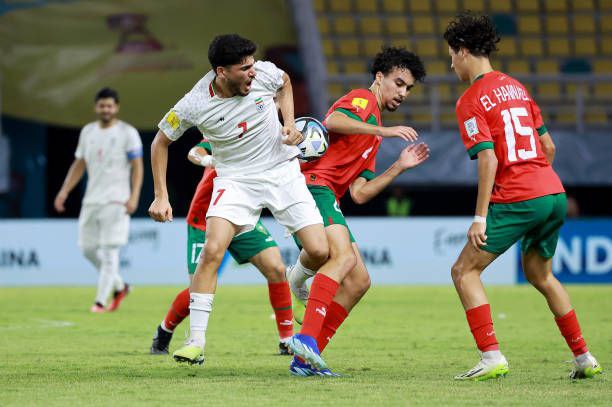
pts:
pixel 240 76
pixel 106 109
pixel 395 87
pixel 458 64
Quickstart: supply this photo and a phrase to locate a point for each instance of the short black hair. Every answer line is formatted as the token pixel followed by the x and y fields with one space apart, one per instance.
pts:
pixel 473 31
pixel 398 57
pixel 229 49
pixel 107 93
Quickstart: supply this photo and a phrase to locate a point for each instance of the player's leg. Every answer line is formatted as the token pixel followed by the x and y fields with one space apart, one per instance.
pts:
pixel 259 248
pixel 89 242
pixel 352 289
pixel 538 249
pixel 219 233
pixel 179 309
pixel 114 223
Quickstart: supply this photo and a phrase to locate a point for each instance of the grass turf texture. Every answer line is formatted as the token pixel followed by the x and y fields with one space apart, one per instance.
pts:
pixel 401 346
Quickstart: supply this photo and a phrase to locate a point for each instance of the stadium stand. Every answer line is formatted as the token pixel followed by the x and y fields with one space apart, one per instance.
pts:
pixel 548 44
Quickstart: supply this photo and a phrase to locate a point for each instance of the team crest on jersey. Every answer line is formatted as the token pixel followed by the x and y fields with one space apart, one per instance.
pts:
pixel 471 128
pixel 259 104
pixel 359 103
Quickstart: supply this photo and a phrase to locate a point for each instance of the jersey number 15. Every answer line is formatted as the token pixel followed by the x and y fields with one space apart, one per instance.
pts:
pixel 513 127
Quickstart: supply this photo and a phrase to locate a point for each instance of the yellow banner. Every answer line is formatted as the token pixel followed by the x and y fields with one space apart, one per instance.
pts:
pixel 55 55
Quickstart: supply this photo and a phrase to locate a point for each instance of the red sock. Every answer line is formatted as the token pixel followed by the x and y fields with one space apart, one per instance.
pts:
pixel 570 329
pixel 322 292
pixel 481 325
pixel 280 298
pixel 179 310
pixel 336 314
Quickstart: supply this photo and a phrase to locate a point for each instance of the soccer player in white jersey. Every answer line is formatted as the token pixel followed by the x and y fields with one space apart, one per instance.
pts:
pixel 111 152
pixel 255 158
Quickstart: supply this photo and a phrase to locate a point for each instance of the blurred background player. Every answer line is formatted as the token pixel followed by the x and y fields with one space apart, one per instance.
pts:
pixel 111 152
pixel 256 165
pixel 256 246
pixel 520 197
pixel 355 133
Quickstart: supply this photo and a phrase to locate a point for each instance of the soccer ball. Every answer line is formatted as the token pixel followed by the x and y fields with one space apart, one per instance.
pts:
pixel 316 139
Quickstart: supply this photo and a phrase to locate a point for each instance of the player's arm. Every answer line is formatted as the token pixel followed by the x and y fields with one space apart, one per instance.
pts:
pixel 341 123
pixel 284 99
pixel 75 173
pixel 362 190
pixel 160 210
pixel 487 167
pixel 136 184
pixel 548 147
pixel 199 156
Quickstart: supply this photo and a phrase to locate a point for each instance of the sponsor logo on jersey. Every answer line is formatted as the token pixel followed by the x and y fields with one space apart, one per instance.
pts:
pixel 359 103
pixel 471 128
pixel 259 104
pixel 313 177
pixel 173 120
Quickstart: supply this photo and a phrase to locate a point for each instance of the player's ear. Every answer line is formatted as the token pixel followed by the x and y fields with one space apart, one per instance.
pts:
pixel 379 78
pixel 220 71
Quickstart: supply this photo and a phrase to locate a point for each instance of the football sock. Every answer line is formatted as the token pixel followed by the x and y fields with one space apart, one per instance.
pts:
pixel 109 268
pixel 570 329
pixel 300 274
pixel 178 311
pixel 280 299
pixel 322 293
pixel 200 307
pixel 481 325
pixel 336 314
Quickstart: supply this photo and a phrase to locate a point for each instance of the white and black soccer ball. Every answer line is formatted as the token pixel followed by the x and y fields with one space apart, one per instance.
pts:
pixel 316 138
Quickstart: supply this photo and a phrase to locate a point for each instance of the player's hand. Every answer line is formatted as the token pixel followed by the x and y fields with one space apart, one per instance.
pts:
pixel 403 132
pixel 476 235
pixel 131 205
pixel 413 155
pixel 160 210
pixel 60 199
pixel 291 135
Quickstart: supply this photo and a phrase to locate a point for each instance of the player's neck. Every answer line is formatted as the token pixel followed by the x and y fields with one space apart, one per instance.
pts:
pixel 479 67
pixel 375 89
pixel 220 88
pixel 106 125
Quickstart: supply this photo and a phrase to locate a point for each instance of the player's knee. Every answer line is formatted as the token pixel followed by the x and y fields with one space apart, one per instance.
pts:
pixel 457 273
pixel 319 252
pixel 363 285
pixel 539 280
pixel 346 260
pixel 276 273
pixel 212 252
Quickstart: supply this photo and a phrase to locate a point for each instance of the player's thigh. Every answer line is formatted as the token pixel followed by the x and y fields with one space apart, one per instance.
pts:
pixel 195 243
pixel 89 231
pixel 471 260
pixel 249 244
pixel 544 237
pixel 114 225
pixel 535 266
pixel 219 234
pixel 270 264
pixel 508 223
pixel 237 202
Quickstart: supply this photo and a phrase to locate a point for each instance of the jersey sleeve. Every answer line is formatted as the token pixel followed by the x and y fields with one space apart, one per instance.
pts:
pixel 537 118
pixel 475 132
pixel 80 150
pixel 269 75
pixel 357 106
pixel 134 144
pixel 180 118
pixel 205 144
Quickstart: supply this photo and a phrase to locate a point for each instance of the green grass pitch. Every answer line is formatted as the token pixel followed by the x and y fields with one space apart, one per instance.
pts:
pixel 401 346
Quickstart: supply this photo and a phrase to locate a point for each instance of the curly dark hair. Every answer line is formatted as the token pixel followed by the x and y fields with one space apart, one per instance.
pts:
pixel 473 31
pixel 229 49
pixel 398 57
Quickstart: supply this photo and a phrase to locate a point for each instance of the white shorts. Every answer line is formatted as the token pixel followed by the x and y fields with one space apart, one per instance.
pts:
pixel 281 189
pixel 103 225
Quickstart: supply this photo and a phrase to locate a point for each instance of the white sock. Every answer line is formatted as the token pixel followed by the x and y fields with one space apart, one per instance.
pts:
pixel 109 269
pixel 584 359
pixel 163 326
pixel 300 274
pixel 200 307
pixel 492 356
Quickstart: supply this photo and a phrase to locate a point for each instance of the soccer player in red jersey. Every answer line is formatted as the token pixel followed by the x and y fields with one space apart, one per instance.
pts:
pixel 256 246
pixel 355 133
pixel 520 197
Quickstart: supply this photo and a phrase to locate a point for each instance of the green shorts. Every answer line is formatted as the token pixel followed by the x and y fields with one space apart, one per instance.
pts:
pixel 328 207
pixel 536 221
pixel 242 247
